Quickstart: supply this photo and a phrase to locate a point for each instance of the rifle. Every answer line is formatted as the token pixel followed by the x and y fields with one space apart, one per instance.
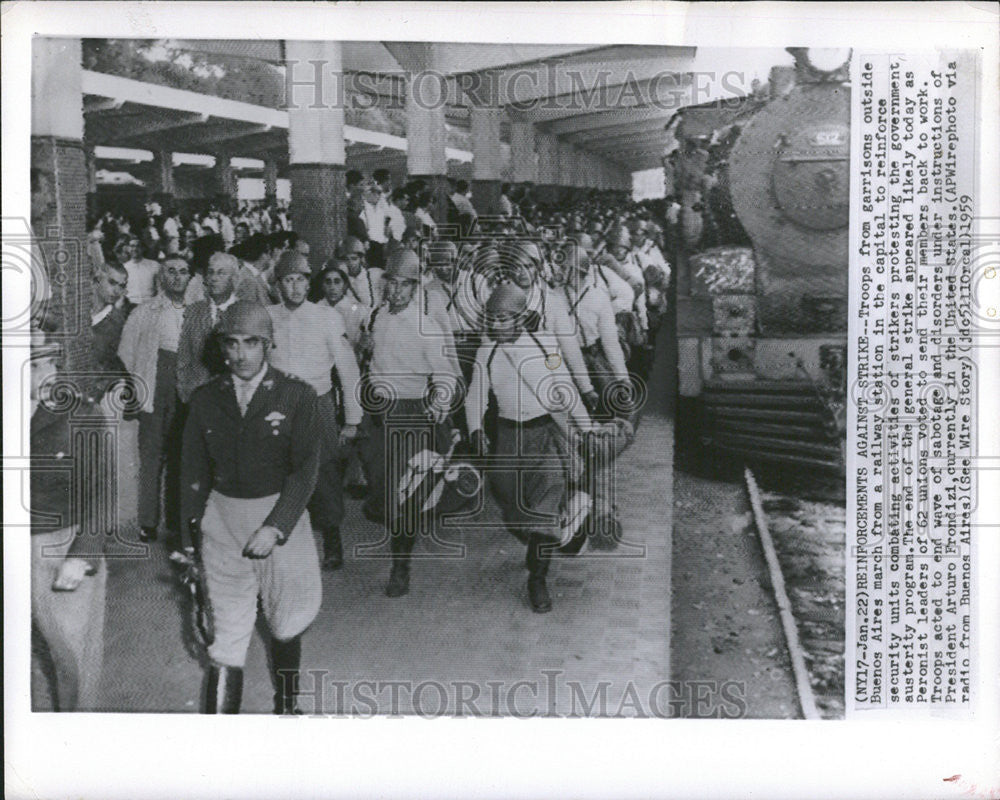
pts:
pixel 193 577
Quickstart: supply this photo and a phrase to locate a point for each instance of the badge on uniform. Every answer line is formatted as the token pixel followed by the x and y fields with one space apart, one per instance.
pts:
pixel 275 418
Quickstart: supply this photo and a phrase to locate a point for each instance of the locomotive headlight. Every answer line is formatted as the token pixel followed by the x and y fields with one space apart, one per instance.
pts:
pixel 828 59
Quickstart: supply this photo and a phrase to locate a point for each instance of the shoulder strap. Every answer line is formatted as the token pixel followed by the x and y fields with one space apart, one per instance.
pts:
pixel 371 319
pixel 576 302
pixel 600 271
pixel 537 343
pixel 489 363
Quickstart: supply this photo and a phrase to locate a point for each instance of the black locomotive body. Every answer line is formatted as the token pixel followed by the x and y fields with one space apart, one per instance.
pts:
pixel 762 232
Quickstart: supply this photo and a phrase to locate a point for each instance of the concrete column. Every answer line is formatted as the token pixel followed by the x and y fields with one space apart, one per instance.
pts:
pixel 224 179
pixel 270 179
pixel 61 290
pixel 567 165
pixel 487 158
pixel 163 179
pixel 316 150
pixel 522 152
pixel 426 136
pixel 90 160
pixel 548 168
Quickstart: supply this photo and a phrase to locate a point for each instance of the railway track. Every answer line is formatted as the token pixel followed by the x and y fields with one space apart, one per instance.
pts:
pixel 803 539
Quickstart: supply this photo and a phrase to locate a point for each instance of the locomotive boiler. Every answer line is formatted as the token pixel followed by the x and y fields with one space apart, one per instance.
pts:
pixel 762 238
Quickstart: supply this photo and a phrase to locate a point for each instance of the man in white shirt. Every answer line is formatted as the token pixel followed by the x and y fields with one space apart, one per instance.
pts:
pixel 376 216
pixel 597 331
pixel 309 343
pixel 463 205
pixel 591 309
pixel 148 350
pixel 409 392
pixel 366 281
pixel 141 274
pixel 534 391
pixel 448 296
pixel 549 303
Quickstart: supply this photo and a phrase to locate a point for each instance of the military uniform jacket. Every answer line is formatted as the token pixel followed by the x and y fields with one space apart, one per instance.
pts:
pixel 273 450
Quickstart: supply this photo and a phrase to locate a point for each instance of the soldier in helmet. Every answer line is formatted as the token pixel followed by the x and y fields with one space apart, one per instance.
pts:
pixel 249 465
pixel 309 343
pixel 366 281
pixel 524 371
pixel 598 335
pixel 410 388
pixel 550 309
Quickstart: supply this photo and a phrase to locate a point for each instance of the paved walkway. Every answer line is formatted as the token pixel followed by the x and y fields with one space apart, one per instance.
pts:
pixel 464 639
pixel 466 622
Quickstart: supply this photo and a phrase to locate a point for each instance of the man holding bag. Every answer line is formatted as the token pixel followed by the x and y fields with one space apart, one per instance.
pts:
pixel 534 394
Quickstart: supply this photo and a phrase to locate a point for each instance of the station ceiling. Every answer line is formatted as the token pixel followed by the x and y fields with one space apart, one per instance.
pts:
pixel 614 101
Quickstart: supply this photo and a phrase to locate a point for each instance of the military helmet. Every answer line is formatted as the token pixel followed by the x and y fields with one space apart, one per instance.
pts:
pixel 403 264
pixel 506 299
pixel 574 256
pixel 351 245
pixel 585 240
pixel 289 263
pixel 248 318
pixel 442 251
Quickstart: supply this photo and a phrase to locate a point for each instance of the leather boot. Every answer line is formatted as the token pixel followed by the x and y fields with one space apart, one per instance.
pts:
pixel 224 691
pixel 538 568
pixel 333 549
pixel 286 658
pixel 399 577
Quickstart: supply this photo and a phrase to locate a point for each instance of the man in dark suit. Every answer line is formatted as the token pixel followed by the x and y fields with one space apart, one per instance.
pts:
pixel 198 353
pixel 107 318
pixel 68 574
pixel 248 468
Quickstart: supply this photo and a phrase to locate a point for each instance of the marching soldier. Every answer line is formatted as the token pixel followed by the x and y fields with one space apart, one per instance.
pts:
pixel 309 343
pixel 524 371
pixel 410 388
pixel 524 262
pixel 366 281
pixel 597 331
pixel 249 465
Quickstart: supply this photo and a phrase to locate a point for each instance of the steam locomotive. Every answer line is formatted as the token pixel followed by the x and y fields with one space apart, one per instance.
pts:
pixel 762 231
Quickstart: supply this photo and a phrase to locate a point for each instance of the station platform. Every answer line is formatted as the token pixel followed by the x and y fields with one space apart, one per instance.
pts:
pixel 464 640
pixel 464 633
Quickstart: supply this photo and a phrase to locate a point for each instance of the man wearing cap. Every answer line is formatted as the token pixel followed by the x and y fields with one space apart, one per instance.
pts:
pixel 366 281
pixel 249 465
pixel 148 350
pixel 309 343
pixel 198 353
pixel 68 574
pixel 410 388
pixel 524 371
